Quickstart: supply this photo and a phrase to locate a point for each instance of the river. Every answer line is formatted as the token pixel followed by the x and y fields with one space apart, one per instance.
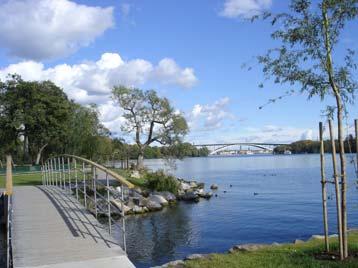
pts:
pixel 286 206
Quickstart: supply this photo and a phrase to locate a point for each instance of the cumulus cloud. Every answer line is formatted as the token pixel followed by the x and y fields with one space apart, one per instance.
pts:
pixel 277 134
pixel 244 8
pixel 44 29
pixel 92 81
pixel 210 116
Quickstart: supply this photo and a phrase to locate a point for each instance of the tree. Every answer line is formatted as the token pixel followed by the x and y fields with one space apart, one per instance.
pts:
pixel 34 111
pixel 309 36
pixel 149 117
pixel 86 136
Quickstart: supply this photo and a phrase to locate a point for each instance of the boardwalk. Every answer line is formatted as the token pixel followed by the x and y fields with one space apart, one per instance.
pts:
pixel 52 229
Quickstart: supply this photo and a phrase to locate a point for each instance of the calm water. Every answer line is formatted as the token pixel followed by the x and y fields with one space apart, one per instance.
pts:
pixel 288 206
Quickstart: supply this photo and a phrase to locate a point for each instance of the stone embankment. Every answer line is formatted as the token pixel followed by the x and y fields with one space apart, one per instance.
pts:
pixel 141 201
pixel 234 249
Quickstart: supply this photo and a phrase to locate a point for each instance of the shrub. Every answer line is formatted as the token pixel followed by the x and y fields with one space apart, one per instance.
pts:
pixel 159 181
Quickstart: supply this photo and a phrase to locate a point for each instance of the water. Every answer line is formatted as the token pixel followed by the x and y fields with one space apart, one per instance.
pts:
pixel 288 206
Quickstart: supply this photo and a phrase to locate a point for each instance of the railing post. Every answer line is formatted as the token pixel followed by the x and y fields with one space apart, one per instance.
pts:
pixel 109 206
pixel 75 167
pixel 69 173
pixel 60 172
pixel 84 184
pixel 123 219
pixel 45 169
pixel 8 175
pixel 64 173
pixel 52 175
pixel 55 167
pixel 95 190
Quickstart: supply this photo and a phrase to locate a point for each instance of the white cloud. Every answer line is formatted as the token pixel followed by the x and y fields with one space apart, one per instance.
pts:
pixel 210 116
pixel 43 29
pixel 244 8
pixel 278 134
pixel 92 81
pixel 168 70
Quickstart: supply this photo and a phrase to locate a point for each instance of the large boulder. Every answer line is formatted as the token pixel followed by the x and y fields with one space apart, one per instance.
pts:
pixel 174 264
pixel 196 257
pixel 152 205
pixel 139 210
pixel 170 197
pixel 159 199
pixel 247 247
pixel 118 203
pixel 190 196
pixel 214 187
pixel 184 186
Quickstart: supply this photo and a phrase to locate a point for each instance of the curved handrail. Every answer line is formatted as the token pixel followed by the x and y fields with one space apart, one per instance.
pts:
pixel 100 167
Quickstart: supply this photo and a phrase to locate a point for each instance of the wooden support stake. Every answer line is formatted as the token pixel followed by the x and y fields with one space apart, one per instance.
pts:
pixel 338 193
pixel 324 190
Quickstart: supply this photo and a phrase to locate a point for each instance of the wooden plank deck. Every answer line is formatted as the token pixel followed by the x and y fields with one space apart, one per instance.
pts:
pixel 52 229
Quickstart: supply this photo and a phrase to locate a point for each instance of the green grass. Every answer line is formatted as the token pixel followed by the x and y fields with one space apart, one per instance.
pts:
pixel 141 182
pixel 23 179
pixel 283 256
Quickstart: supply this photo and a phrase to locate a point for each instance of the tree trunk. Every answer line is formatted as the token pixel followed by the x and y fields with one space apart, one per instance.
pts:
pixel 343 173
pixel 140 161
pixel 26 148
pixel 38 157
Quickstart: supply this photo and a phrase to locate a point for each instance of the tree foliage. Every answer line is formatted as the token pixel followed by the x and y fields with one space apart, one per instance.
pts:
pixel 306 59
pixel 149 118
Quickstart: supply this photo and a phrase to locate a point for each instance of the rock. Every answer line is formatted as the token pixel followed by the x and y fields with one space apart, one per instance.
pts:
pixel 175 264
pixel 152 205
pixel 247 247
pixel 275 244
pixel 184 186
pixel 135 174
pixel 118 204
pixel 317 237
pixel 333 236
pixel 158 199
pixel 193 184
pixel 214 187
pixel 203 194
pixel 138 210
pixel 298 241
pixel 196 257
pixel 190 196
pixel 201 185
pixel 170 197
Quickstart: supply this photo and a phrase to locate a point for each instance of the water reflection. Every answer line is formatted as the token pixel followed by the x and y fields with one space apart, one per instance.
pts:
pixel 156 237
pixel 287 206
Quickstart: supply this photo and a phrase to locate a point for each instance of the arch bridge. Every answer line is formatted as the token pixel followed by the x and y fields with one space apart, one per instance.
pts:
pixel 215 148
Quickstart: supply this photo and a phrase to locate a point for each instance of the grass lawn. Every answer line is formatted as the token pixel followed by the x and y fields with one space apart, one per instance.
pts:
pixel 283 256
pixel 23 179
pixel 127 175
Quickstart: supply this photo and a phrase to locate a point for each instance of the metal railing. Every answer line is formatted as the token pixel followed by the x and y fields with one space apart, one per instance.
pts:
pixel 7 210
pixel 90 183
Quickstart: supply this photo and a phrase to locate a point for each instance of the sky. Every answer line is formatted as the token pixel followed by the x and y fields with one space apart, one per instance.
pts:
pixel 191 52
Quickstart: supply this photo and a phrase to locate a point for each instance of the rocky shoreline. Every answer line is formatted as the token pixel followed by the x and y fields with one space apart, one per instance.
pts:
pixel 235 249
pixel 141 201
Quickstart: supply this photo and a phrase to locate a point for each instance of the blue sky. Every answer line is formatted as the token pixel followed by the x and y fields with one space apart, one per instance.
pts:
pixel 190 51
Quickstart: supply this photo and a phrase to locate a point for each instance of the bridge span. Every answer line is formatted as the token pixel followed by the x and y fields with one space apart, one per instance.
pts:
pixel 217 147
pixel 55 225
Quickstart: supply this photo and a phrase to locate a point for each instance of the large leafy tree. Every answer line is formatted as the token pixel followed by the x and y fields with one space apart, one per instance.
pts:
pixel 34 112
pixel 306 58
pixel 149 118
pixel 85 134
